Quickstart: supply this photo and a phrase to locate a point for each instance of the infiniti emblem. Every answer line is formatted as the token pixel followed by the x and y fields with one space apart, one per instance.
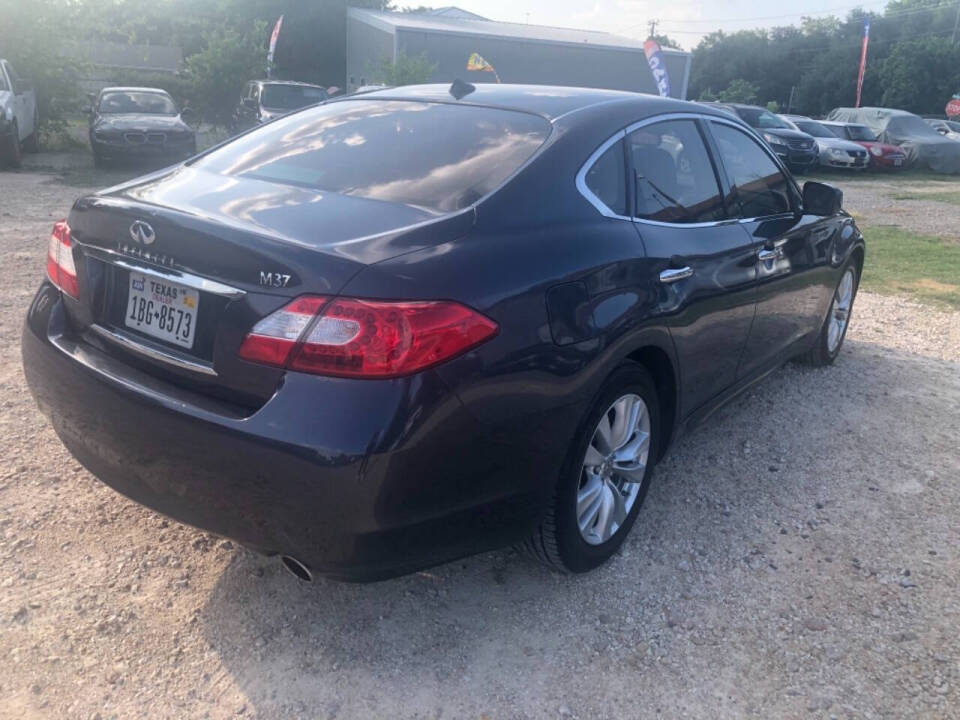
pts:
pixel 142 233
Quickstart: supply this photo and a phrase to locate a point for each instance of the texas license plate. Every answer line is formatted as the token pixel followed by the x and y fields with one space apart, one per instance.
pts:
pixel 162 309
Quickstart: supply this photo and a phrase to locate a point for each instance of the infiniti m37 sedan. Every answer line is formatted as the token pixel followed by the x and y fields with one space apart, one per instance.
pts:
pixel 402 327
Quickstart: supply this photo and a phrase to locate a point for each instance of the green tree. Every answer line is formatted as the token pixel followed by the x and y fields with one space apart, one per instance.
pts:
pixel 218 72
pixel 739 91
pixel 920 74
pixel 406 70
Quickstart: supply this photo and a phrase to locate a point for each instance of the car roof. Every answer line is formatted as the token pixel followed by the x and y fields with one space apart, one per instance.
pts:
pixel 549 101
pixel 159 91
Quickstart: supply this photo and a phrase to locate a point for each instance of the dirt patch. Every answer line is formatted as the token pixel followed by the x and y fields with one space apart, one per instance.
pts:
pixel 799 556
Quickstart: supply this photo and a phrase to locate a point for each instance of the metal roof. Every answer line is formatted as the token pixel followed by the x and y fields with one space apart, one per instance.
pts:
pixel 391 22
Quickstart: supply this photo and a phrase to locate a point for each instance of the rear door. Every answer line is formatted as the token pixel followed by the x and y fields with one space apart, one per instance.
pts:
pixel 706 263
pixel 792 249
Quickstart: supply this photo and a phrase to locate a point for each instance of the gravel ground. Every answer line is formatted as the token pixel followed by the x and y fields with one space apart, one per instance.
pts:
pixel 874 199
pixel 799 556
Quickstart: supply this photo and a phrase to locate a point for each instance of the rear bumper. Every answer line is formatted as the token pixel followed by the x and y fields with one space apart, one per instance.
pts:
pixel 359 480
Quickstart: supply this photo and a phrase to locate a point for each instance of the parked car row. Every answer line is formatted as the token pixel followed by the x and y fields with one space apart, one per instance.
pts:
pixel 856 138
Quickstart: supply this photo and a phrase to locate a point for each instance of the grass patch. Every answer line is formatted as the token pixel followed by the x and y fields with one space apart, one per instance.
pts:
pixel 924 267
pixel 951 197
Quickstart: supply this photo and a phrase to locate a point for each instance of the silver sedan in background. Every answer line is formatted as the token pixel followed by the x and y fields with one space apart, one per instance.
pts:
pixel 834 152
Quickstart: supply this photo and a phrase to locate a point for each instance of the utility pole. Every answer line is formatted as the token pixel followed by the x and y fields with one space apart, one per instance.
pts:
pixel 956 25
pixel 653 28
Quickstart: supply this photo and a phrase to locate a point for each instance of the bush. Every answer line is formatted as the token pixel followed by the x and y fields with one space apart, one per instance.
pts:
pixel 406 70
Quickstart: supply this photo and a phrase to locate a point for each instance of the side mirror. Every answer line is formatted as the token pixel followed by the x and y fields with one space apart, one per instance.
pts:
pixel 249 103
pixel 821 199
pixel 942 130
pixel 187 113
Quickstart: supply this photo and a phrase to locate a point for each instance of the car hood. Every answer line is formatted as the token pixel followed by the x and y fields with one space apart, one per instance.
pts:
pixel 884 147
pixel 838 143
pixel 131 122
pixel 785 133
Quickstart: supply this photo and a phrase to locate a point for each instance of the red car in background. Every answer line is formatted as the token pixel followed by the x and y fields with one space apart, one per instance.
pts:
pixel 882 155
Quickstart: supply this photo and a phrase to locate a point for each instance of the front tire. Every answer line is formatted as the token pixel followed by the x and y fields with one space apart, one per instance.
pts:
pixel 605 476
pixel 12 156
pixel 834 329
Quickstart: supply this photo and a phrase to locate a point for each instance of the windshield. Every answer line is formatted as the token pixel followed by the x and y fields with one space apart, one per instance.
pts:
pixel 763 119
pixel 436 156
pixel 812 127
pixel 861 133
pixel 954 126
pixel 132 101
pixel 291 97
pixel 907 125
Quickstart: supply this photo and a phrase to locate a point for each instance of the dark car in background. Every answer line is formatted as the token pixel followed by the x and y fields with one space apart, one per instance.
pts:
pixel 139 123
pixel 883 156
pixel 796 149
pixel 263 100
pixel 402 327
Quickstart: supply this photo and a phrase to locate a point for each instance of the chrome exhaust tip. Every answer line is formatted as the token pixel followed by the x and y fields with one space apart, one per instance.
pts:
pixel 297 568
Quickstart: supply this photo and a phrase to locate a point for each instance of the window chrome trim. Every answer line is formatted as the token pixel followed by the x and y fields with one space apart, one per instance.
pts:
pixel 587 166
pixel 176 276
pixel 128 343
pixel 621 134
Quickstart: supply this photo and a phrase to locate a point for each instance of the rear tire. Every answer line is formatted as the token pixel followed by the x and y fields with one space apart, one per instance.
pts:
pixel 573 536
pixel 834 330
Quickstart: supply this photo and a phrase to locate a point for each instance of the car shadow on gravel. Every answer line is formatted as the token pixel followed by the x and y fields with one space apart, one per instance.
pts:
pixel 730 543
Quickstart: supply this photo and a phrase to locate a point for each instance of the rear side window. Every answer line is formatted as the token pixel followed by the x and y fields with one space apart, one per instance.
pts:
pixel 436 156
pixel 607 179
pixel 675 180
pixel 761 189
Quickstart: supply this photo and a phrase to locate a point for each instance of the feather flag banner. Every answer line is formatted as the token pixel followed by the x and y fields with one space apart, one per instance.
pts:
pixel 658 68
pixel 273 44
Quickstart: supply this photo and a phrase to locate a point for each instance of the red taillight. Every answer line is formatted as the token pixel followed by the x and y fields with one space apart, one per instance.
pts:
pixel 364 338
pixel 60 268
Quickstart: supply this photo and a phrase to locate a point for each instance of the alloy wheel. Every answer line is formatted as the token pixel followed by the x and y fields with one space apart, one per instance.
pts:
pixel 613 469
pixel 840 311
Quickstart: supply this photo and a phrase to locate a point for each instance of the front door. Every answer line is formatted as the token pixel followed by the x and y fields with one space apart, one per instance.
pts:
pixel 707 265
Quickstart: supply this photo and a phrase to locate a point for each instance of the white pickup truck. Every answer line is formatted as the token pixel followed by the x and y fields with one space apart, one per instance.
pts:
pixel 19 118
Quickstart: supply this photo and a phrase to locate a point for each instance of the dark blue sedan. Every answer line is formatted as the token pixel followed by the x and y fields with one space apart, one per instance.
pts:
pixel 402 327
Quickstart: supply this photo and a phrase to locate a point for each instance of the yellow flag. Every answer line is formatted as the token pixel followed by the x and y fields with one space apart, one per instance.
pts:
pixel 475 62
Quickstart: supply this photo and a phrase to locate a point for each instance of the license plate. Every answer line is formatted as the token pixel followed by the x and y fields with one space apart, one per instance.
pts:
pixel 162 309
pixel 897 163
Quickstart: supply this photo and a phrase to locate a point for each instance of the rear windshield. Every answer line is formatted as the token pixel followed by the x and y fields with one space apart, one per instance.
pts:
pixel 291 97
pixel 435 156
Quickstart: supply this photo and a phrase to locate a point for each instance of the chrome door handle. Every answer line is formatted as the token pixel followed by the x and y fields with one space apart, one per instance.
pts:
pixel 671 275
pixel 768 255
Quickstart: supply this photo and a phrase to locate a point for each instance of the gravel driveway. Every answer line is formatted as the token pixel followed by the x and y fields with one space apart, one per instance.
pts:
pixel 799 556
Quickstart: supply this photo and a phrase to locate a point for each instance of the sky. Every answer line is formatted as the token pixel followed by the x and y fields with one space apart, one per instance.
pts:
pixel 686 21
